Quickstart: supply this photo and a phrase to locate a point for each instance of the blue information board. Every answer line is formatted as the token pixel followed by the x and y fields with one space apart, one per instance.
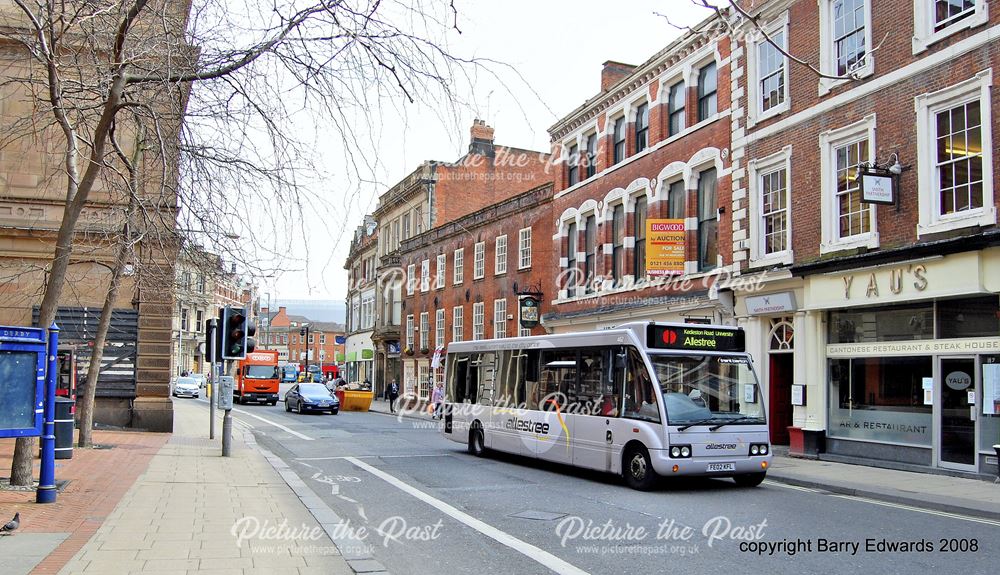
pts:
pixel 22 381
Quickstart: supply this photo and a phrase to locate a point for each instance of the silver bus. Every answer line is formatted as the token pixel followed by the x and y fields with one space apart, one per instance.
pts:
pixel 642 400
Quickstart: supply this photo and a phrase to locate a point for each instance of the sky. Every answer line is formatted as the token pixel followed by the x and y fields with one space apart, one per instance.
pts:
pixel 552 53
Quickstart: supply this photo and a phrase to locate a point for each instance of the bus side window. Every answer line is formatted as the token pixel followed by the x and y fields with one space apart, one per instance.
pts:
pixel 501 385
pixel 487 378
pixel 590 393
pixel 459 373
pixel 558 378
pixel 640 401
pixel 472 379
pixel 526 379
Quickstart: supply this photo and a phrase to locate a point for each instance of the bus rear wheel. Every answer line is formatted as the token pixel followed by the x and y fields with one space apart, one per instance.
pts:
pixel 476 445
pixel 637 469
pixel 749 479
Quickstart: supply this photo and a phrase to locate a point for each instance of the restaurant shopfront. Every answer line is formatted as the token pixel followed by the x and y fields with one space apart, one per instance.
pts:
pixel 913 361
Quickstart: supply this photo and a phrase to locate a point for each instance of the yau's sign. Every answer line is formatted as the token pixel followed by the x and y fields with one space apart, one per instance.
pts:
pixel 529 311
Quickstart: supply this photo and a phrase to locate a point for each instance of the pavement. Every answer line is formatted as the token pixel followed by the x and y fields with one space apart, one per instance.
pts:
pixel 188 510
pixel 925 490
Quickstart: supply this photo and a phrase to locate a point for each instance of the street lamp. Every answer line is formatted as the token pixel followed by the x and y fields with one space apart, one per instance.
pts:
pixel 304 332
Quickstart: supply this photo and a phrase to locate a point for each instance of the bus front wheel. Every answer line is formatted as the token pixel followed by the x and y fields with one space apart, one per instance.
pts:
pixel 476 445
pixel 638 469
pixel 749 479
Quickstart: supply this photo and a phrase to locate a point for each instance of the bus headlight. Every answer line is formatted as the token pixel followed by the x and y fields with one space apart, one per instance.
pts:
pixel 754 450
pixel 758 449
pixel 680 451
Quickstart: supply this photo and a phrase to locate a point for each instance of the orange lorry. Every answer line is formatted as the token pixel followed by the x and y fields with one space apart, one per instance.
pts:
pixel 257 378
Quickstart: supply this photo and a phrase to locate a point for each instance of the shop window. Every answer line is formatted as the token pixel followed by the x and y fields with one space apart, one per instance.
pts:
pixel 970 317
pixel 989 427
pixel 881 399
pixel 890 323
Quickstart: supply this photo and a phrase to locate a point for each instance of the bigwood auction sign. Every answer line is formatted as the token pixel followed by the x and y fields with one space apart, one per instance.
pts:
pixel 664 247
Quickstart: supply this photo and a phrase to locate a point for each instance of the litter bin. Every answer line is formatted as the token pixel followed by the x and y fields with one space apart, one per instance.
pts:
pixel 64 427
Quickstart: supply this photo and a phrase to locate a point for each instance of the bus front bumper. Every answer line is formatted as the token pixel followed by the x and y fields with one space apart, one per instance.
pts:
pixel 708 466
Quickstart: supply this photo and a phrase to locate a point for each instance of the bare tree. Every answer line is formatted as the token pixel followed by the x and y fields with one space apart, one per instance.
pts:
pixel 216 82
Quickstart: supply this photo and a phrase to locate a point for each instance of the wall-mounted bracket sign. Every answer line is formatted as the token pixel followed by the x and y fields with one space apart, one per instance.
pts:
pixel 878 185
pixel 529 311
pixel 22 381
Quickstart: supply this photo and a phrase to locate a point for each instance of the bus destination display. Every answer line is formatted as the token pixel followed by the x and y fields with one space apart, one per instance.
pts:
pixel 695 338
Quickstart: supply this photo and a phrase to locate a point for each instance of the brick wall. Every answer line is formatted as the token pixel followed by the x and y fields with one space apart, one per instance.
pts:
pixel 528 210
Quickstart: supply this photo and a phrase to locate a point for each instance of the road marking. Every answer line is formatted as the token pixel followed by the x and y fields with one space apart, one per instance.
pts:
pixel 543 557
pixel 269 422
pixel 920 510
pixel 332 457
pixel 787 486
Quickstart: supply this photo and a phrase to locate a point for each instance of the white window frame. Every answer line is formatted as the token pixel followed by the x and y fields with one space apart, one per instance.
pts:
pixel 458 262
pixel 425 275
pixel 442 263
pixel 478 321
pixel 829 141
pixel 757 169
pixel 409 331
pixel 755 111
pixel 500 318
pixel 828 52
pixel 425 328
pixel 524 332
pixel 524 248
pixel 411 280
pixel 479 261
pixel 923 23
pixel 457 323
pixel 927 105
pixel 500 255
pixel 439 327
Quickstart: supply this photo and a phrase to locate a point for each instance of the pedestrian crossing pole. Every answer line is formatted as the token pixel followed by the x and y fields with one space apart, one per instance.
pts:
pixel 226 385
pixel 211 334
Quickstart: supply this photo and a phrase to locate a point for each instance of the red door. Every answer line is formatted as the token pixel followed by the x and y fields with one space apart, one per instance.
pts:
pixel 780 397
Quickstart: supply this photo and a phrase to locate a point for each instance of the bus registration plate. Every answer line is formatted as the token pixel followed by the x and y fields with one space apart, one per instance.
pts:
pixel 721 467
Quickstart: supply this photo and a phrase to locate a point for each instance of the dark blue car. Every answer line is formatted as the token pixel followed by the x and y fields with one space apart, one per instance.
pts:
pixel 304 397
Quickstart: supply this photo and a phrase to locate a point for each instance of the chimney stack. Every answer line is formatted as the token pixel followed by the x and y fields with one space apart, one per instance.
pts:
pixel 482 138
pixel 613 72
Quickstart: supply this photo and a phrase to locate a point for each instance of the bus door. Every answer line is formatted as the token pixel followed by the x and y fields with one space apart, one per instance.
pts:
pixel 516 370
pixel 548 429
pixel 599 429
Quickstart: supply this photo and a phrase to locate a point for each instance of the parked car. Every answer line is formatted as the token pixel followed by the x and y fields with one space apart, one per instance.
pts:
pixel 186 386
pixel 199 377
pixel 303 397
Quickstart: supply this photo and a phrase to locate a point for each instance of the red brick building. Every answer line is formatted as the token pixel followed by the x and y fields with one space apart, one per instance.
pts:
pixel 879 322
pixel 652 144
pixel 434 195
pixel 472 271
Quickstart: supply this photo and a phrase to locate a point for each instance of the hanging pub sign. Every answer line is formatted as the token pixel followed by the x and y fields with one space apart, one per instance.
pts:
pixel 529 311
pixel 878 185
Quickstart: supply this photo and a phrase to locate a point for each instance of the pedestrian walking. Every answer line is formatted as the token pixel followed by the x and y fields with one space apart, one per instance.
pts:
pixel 393 392
pixel 437 398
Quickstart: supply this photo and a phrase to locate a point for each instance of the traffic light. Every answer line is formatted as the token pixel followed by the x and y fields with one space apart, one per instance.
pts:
pixel 237 330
